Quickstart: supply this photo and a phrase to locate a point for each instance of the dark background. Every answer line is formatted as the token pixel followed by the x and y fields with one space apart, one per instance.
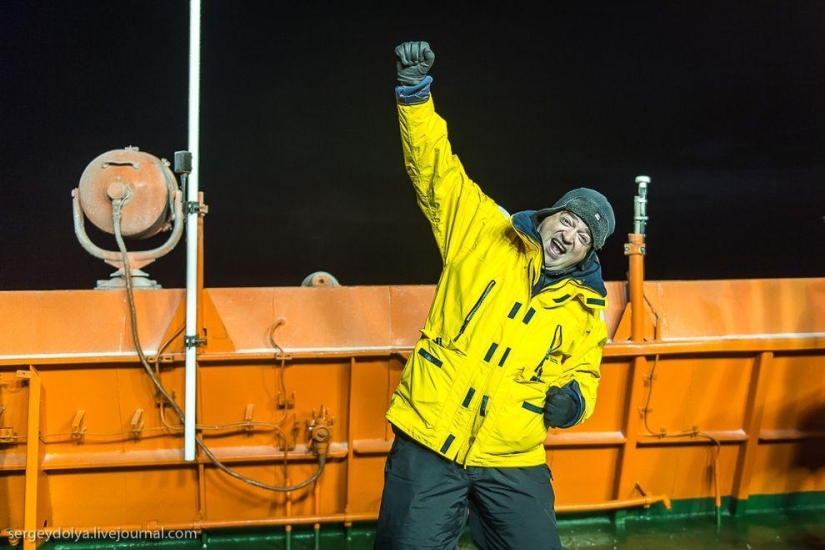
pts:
pixel 720 103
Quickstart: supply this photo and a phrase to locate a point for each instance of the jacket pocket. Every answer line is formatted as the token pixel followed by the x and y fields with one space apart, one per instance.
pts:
pixel 427 379
pixel 474 309
pixel 542 372
pixel 519 419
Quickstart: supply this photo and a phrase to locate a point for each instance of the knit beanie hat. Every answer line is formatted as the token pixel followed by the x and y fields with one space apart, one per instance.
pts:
pixel 592 207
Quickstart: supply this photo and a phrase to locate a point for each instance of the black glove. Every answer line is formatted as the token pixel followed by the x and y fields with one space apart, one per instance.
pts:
pixel 559 408
pixel 414 60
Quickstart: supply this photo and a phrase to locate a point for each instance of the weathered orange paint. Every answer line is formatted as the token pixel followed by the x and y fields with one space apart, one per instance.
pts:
pixel 738 362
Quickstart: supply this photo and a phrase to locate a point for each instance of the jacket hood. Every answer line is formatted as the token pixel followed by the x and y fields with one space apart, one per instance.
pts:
pixel 588 271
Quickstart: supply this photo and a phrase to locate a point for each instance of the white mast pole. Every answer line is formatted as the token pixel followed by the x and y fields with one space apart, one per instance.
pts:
pixel 191 333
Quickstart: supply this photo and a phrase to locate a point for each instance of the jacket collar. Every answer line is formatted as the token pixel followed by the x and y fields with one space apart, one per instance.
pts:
pixel 588 272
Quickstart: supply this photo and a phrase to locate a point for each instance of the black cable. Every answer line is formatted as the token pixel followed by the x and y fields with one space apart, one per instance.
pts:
pixel 117 204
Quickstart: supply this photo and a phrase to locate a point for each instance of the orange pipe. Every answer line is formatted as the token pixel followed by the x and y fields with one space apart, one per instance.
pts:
pixel 645 501
pixel 635 249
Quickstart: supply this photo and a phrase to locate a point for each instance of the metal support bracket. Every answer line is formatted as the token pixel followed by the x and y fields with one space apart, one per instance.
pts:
pixel 192 341
pixel 194 207
pixel 631 249
pixel 248 415
pixel 7 435
pixel 286 402
pixel 79 425
pixel 136 424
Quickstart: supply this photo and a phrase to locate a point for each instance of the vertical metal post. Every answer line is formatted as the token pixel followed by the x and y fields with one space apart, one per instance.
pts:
pixel 635 251
pixel 350 431
pixel 31 521
pixel 200 330
pixel 754 410
pixel 192 232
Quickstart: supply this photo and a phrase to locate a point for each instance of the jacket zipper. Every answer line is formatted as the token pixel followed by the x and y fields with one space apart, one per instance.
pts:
pixel 557 336
pixel 472 312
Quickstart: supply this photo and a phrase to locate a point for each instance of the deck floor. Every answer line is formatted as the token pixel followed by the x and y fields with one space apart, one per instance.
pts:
pixel 777 531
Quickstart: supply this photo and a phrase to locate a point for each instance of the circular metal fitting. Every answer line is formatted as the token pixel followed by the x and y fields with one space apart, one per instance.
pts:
pixel 320 279
pixel 320 434
pixel 117 190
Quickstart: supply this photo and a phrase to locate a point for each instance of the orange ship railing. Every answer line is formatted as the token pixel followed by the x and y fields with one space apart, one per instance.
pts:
pixel 710 389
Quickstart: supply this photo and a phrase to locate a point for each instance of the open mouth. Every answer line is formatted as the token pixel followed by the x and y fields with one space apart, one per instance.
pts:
pixel 556 248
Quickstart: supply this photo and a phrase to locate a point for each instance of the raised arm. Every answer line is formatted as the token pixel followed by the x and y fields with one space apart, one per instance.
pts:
pixel 451 201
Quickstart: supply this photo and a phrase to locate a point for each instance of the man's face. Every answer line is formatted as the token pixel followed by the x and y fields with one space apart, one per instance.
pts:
pixel 566 240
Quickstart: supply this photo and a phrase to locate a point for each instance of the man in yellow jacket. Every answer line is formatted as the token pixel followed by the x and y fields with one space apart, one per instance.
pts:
pixel 511 346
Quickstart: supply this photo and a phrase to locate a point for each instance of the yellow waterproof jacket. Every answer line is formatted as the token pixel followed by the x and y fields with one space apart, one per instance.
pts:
pixel 474 387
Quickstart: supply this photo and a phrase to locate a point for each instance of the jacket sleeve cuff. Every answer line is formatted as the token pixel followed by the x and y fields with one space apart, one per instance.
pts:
pixel 413 95
pixel 572 389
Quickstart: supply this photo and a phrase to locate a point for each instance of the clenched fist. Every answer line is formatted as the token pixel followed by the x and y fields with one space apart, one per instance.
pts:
pixel 414 60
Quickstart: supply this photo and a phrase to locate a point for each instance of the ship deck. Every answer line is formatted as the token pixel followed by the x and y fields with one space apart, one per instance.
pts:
pixel 770 530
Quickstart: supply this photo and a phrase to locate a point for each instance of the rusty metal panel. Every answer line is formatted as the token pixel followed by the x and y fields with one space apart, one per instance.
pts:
pixel 278 355
pixel 795 400
pixel 40 327
pixel 13 487
pixel 728 308
pixel 97 496
pixel 410 305
pixel 789 467
pixel 687 392
pixel 684 470
pixel 583 475
pixel 317 319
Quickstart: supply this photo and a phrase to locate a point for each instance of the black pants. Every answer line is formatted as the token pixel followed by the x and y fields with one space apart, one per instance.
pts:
pixel 427 500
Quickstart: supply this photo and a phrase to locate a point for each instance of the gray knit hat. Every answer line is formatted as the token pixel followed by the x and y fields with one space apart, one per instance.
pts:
pixel 592 207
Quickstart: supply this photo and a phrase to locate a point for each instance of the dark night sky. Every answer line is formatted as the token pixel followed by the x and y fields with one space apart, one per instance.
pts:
pixel 721 103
